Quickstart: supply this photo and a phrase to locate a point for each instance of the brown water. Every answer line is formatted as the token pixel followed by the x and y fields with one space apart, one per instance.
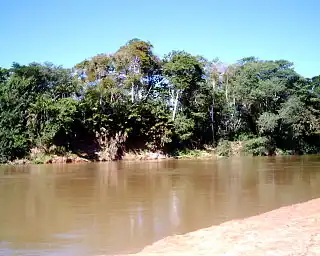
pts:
pixel 108 208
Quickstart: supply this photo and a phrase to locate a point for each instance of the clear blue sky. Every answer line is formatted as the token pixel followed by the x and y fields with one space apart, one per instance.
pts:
pixel 66 31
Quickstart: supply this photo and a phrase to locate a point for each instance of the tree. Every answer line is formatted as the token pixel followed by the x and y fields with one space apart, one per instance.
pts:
pixel 184 73
pixel 14 142
pixel 138 68
pixel 133 100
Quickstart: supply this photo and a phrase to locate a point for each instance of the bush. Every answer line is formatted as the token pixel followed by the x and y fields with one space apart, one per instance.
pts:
pixel 41 158
pixel 307 148
pixel 12 144
pixel 260 146
pixel 245 136
pixel 188 153
pixel 283 152
pixel 57 150
pixel 224 148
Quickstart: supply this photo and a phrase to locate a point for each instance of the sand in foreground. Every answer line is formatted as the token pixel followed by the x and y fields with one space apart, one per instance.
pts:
pixel 292 230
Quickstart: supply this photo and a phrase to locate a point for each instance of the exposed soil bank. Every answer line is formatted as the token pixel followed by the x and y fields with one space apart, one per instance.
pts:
pixel 130 156
pixel 292 230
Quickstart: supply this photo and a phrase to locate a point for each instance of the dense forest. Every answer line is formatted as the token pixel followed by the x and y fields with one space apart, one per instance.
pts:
pixel 133 100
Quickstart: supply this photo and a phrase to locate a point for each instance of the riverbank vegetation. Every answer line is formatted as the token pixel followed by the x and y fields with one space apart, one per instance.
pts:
pixel 130 100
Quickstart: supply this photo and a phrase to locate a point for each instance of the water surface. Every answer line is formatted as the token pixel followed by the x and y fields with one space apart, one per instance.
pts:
pixel 121 207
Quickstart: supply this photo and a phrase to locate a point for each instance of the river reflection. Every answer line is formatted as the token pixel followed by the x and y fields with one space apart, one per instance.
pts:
pixel 120 207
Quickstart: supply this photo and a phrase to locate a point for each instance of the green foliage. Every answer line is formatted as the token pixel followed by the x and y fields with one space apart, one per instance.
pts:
pixel 245 136
pixel 41 158
pixel 184 127
pixel 281 152
pixel 49 118
pixel 182 69
pixel 267 122
pixel 224 148
pixel 150 125
pixel 14 141
pixel 190 153
pixel 132 99
pixel 260 146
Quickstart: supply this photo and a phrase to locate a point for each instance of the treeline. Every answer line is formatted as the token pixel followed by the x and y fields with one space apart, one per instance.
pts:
pixel 132 99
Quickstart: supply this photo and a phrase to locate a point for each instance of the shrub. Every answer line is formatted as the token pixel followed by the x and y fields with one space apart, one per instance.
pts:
pixel 41 158
pixel 224 148
pixel 259 146
pixel 190 153
pixel 245 136
pixel 282 152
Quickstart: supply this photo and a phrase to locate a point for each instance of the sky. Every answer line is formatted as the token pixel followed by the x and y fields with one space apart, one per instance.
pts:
pixel 65 32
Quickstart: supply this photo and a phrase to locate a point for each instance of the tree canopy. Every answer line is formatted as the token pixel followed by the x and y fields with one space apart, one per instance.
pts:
pixel 133 99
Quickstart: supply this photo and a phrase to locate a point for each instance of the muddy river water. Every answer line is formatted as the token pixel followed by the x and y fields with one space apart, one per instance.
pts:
pixel 120 207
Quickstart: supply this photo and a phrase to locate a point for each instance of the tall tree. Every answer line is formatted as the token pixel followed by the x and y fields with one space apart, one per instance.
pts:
pixel 184 73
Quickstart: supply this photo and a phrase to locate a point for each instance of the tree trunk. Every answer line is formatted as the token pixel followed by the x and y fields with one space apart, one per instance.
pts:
pixel 212 113
pixel 132 92
pixel 175 106
pixel 212 124
pixel 227 84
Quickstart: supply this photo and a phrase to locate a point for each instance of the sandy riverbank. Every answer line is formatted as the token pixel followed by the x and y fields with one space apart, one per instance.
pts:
pixel 292 230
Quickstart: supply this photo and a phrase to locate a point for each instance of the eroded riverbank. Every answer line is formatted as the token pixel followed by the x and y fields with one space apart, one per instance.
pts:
pixel 291 230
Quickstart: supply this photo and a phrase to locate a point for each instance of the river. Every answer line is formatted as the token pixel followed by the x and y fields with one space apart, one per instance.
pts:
pixel 120 207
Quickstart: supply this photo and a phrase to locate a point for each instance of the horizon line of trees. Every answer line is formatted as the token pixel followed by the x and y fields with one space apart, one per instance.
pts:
pixel 132 99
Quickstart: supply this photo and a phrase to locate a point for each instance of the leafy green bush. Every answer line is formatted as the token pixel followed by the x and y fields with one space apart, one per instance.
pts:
pixel 282 152
pixel 224 148
pixel 258 146
pixel 190 153
pixel 267 122
pixel 40 158
pixel 57 150
pixel 245 136
pixel 306 148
